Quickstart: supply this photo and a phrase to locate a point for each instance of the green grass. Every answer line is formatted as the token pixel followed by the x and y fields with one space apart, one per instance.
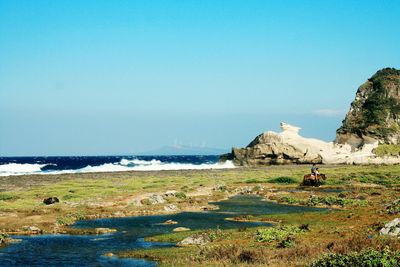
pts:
pixel 387 150
pixel 254 181
pixel 370 258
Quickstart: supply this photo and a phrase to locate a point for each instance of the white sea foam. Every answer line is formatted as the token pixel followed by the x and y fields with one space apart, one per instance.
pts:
pixel 19 169
pixel 123 165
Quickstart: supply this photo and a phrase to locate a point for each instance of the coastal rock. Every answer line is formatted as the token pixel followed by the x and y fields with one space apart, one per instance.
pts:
pixel 51 200
pixel 169 222
pixel 6 239
pixel 170 208
pixel 156 199
pixel 3 238
pixel 197 239
pixel 32 229
pixel 181 229
pixel 375 112
pixel 288 147
pixel 392 228
pixel 101 231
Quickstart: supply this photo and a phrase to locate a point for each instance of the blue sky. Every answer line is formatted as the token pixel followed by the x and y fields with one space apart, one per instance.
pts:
pixel 120 77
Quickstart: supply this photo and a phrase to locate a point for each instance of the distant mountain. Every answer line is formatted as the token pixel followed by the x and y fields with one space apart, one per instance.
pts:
pixel 185 150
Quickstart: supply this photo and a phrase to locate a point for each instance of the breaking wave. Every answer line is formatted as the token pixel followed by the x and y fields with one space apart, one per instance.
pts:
pixel 121 166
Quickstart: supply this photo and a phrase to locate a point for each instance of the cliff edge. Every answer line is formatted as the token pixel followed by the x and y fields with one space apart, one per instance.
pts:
pixel 375 113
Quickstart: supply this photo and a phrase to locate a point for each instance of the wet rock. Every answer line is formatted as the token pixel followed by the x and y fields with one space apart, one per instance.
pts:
pixel 197 239
pixel 5 239
pixel 244 190
pixel 170 208
pixel 32 229
pixel 100 231
pixel 51 200
pixel 181 229
pixel 169 222
pixel 392 228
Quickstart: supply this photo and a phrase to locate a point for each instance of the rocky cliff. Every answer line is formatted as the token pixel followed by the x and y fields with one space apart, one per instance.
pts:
pixel 375 113
pixel 373 118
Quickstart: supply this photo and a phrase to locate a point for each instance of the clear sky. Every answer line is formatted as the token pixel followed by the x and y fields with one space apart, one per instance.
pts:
pixel 120 77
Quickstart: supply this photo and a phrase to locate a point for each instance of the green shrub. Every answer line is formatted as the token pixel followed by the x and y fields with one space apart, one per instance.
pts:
pixel 276 233
pixel 370 258
pixel 288 242
pixel 289 200
pixel 5 197
pixel 180 195
pixel 283 180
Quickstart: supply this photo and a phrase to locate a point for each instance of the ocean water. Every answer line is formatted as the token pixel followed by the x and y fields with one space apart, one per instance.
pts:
pixel 58 165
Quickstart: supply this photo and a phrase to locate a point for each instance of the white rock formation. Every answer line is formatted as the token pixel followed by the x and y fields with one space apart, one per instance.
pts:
pixel 289 147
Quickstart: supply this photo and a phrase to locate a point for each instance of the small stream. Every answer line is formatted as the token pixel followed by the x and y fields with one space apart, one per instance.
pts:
pixel 89 250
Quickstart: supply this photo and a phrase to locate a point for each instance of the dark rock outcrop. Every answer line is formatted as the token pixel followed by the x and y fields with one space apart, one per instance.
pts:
pixel 375 113
pixel 51 200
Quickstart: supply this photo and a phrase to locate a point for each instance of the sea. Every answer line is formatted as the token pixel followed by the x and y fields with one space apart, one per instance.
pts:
pixel 86 164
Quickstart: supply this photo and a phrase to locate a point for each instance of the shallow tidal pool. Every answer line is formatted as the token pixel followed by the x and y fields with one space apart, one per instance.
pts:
pixel 89 250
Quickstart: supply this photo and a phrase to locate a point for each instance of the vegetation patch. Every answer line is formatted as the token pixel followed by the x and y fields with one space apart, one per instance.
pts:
pixel 332 200
pixel 279 233
pixel 387 150
pixel 229 254
pixel 5 197
pixel 254 181
pixel 283 180
pixel 180 195
pixel 289 200
pixel 370 257
pixel 394 207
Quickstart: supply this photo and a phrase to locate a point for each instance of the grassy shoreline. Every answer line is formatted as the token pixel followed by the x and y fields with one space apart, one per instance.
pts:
pixel 362 193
